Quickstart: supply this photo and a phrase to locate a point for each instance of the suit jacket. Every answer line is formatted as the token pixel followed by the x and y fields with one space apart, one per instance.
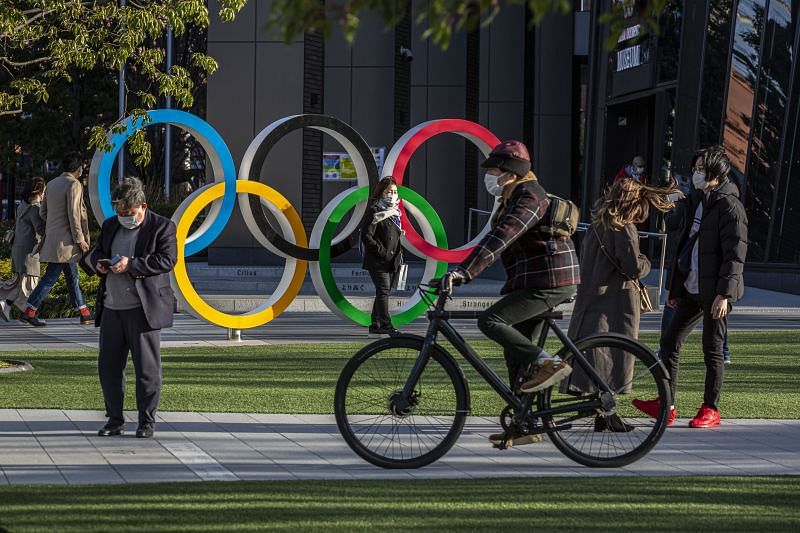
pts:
pixel 382 252
pixel 28 233
pixel 155 254
pixel 66 221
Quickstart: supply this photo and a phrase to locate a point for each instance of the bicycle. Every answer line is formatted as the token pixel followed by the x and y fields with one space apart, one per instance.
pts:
pixel 402 402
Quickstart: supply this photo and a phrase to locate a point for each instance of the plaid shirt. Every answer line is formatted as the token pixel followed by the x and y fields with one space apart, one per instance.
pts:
pixel 530 261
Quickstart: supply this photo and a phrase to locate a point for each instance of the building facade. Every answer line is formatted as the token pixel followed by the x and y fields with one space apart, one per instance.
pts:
pixel 716 72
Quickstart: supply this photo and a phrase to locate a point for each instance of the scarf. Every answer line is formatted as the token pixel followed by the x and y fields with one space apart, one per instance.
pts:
pixel 384 211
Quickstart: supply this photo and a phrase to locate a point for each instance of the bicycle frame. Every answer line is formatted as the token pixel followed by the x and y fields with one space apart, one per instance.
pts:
pixel 439 323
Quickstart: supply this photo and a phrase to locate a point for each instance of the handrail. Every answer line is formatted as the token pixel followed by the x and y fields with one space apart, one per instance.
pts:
pixel 584 226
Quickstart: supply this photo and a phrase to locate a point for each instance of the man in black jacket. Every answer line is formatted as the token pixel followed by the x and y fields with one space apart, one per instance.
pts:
pixel 705 278
pixel 136 251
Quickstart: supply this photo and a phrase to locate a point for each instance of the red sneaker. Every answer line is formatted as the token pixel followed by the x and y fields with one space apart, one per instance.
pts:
pixel 706 417
pixel 651 408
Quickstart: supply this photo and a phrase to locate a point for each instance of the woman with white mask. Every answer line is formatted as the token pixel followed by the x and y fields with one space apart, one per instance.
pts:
pixel 380 236
pixel 542 272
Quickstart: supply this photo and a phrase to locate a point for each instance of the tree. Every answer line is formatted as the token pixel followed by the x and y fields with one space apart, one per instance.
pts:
pixel 44 42
pixel 291 18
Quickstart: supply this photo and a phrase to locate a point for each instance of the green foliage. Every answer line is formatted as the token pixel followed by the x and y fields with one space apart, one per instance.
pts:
pixel 44 41
pixel 57 305
pixel 441 18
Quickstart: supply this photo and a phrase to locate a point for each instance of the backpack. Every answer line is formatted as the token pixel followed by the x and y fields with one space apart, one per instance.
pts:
pixel 560 219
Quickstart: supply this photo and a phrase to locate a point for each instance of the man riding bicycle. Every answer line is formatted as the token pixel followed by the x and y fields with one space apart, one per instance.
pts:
pixel 542 272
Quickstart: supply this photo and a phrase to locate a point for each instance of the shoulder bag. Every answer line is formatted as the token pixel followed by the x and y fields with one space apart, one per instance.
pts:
pixel 645 304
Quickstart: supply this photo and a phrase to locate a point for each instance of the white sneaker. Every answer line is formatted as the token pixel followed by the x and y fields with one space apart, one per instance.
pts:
pixel 5 310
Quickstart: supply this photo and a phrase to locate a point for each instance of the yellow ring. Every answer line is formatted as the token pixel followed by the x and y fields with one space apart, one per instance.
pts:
pixel 258 316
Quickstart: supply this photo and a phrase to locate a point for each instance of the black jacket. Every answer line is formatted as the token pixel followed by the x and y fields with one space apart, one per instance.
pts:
pixel 154 257
pixel 381 241
pixel 722 243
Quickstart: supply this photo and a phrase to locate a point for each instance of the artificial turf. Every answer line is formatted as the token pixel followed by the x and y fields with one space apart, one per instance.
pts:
pixel 761 382
pixel 546 504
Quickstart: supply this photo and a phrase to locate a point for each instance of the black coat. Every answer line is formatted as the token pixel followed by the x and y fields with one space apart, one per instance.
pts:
pixel 722 243
pixel 381 242
pixel 155 254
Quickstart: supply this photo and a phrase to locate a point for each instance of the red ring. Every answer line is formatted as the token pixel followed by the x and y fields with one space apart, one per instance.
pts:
pixel 465 128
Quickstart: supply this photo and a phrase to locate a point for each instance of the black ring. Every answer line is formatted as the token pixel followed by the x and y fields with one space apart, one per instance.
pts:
pixel 294 123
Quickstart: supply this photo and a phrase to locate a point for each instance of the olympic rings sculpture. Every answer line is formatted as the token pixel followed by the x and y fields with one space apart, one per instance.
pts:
pixel 289 240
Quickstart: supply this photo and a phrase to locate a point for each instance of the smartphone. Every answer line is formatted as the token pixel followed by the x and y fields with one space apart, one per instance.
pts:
pixel 108 263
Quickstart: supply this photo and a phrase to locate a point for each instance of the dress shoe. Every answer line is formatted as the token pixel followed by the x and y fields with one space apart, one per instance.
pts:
pixel 707 417
pixel 30 318
pixel 651 407
pixel 144 431
pixel 111 429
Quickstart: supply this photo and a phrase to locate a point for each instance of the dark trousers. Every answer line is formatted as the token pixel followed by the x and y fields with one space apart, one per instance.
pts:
pixel 688 313
pixel 666 317
pixel 513 324
pixel 49 279
pixel 383 282
pixel 120 332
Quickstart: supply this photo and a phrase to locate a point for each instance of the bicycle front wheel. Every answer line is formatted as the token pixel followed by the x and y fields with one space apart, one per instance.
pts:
pixel 389 431
pixel 615 439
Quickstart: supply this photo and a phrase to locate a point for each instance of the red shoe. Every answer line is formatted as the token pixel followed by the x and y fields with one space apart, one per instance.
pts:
pixel 651 408
pixel 706 417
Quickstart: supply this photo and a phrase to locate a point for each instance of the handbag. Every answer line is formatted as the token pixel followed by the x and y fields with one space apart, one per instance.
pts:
pixel 402 275
pixel 645 304
pixel 8 236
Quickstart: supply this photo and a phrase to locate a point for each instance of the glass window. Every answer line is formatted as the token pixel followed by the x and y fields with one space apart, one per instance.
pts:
pixel 742 82
pixel 715 71
pixel 768 124
pixel 669 41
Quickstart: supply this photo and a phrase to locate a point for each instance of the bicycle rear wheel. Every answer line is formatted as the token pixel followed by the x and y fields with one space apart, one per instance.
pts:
pixel 366 409
pixel 595 440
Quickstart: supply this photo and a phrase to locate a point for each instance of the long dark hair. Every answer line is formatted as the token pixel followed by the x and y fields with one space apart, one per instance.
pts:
pixel 383 184
pixel 33 187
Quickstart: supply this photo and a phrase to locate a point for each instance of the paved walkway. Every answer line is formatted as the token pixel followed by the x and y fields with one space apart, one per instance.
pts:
pixel 54 446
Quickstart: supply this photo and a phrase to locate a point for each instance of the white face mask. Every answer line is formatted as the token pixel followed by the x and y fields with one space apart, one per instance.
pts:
pixel 391 199
pixel 699 180
pixel 129 222
pixel 492 184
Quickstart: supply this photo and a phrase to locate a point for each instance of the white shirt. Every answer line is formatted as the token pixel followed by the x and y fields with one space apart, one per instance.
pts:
pixel 692 279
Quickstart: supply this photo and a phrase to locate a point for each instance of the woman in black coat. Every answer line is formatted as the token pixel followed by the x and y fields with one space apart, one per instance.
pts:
pixel 380 235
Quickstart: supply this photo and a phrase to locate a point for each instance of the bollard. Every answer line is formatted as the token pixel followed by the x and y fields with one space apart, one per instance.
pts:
pixel 234 334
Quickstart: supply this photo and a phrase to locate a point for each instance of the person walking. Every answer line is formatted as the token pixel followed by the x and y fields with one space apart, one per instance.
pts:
pixel 135 253
pixel 66 239
pixel 608 297
pixel 28 235
pixel 380 236
pixel 705 279
pixel 541 270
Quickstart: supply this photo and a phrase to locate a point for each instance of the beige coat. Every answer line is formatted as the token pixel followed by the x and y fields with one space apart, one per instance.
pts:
pixel 608 302
pixel 66 221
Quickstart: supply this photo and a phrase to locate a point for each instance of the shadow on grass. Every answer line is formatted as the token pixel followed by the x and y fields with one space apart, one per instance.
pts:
pixel 652 504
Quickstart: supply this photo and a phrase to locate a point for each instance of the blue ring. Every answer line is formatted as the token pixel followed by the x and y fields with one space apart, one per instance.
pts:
pixel 200 128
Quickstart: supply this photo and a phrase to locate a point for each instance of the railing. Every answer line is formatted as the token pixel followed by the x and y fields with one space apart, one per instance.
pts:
pixel 583 226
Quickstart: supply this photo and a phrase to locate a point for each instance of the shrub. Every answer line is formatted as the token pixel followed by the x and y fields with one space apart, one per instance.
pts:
pixel 57 305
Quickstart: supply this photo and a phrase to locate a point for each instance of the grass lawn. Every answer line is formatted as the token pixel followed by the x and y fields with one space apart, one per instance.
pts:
pixel 592 504
pixel 761 383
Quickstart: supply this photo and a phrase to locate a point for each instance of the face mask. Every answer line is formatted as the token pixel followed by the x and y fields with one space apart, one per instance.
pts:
pixel 699 180
pixel 391 199
pixel 128 222
pixel 492 184
pixel 637 171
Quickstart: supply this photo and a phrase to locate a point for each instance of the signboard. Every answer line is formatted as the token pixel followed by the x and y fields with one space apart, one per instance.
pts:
pixel 337 166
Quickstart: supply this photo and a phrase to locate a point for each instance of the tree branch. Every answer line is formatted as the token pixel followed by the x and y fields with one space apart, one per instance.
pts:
pixel 25 63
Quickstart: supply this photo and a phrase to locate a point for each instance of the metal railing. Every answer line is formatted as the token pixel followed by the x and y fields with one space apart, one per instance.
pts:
pixel 584 226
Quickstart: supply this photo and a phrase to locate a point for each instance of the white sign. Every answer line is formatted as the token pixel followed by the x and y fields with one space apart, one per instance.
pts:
pixel 629 58
pixel 630 33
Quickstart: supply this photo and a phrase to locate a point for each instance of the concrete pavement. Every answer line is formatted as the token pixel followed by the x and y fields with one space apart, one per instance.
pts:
pixel 61 447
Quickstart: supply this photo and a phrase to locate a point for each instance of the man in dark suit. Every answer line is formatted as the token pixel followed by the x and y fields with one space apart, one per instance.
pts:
pixel 134 302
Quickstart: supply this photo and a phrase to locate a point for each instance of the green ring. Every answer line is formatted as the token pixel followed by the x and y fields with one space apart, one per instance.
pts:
pixel 349 202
